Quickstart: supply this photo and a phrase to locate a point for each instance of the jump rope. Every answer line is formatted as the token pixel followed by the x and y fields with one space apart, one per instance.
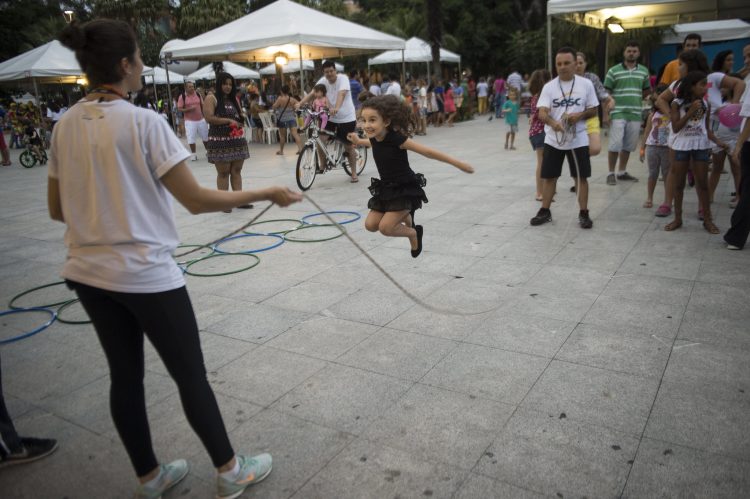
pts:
pixel 386 274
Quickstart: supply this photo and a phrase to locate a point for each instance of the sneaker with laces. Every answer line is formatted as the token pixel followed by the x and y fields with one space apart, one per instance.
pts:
pixel 33 449
pixel 584 221
pixel 252 470
pixel 611 179
pixel 169 476
pixel 542 217
pixel 628 177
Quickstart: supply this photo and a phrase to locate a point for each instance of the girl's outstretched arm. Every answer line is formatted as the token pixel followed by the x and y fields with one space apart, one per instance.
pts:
pixel 357 140
pixel 431 153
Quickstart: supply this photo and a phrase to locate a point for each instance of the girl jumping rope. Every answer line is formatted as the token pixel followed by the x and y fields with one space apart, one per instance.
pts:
pixel 398 193
pixel 692 139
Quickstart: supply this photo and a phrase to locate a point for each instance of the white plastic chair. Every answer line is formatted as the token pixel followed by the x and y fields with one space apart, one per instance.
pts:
pixel 270 131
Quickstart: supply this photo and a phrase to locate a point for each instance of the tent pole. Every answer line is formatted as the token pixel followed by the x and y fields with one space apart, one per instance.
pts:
pixel 169 98
pixel 549 43
pixel 606 49
pixel 403 68
pixel 301 74
pixel 429 80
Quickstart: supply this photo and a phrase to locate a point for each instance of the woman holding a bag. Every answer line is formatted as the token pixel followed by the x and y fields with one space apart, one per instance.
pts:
pixel 285 118
pixel 226 146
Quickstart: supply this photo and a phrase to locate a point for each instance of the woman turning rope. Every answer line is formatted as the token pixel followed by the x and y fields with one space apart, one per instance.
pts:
pixel 113 170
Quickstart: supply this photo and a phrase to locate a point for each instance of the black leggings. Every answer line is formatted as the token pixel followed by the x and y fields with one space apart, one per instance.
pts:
pixel 167 318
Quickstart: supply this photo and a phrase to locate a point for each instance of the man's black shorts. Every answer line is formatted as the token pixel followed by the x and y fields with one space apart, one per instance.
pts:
pixel 553 160
pixel 342 129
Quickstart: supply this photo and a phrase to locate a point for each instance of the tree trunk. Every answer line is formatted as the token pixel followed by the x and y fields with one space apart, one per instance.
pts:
pixel 435 33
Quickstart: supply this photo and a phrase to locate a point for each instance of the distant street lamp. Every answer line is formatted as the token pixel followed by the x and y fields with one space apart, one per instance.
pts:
pixel 69 15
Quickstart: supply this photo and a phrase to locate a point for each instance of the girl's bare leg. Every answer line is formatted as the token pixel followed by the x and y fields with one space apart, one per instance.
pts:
pixel 676 178
pixel 373 220
pixel 716 169
pixel 222 175
pixel 235 174
pixel 393 225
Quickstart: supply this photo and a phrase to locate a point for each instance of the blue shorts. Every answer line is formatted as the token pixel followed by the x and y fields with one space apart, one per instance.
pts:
pixel 537 141
pixel 697 155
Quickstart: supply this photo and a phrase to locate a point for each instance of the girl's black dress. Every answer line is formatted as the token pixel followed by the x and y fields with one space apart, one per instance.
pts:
pixel 398 187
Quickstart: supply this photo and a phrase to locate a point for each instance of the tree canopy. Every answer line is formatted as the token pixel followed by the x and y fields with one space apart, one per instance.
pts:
pixel 491 35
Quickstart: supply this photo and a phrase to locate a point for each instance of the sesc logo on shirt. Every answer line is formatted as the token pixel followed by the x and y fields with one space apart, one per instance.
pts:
pixel 566 102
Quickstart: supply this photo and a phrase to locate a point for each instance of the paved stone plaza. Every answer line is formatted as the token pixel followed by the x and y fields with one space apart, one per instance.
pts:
pixel 612 362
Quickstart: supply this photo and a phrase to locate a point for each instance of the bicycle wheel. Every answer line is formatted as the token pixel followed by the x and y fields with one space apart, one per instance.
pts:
pixel 306 167
pixel 361 160
pixel 27 159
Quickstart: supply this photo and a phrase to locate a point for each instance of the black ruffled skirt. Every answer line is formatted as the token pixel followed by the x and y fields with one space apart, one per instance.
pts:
pixel 400 195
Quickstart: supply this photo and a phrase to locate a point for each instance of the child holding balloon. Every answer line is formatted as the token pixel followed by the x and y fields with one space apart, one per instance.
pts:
pixel 692 139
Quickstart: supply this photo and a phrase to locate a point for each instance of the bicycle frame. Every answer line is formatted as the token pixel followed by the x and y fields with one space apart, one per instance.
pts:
pixel 333 159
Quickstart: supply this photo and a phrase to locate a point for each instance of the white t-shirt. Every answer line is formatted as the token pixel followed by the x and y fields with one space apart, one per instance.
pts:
pixel 375 89
pixel 745 111
pixel 108 158
pixel 693 136
pixel 346 112
pixel 423 97
pixel 482 89
pixel 713 91
pixel 561 97
pixel 394 89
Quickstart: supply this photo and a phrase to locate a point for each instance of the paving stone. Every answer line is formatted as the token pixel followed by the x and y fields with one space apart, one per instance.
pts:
pixel 663 469
pixel 616 350
pixel 367 470
pixel 651 289
pixel 481 486
pixel 511 330
pixel 653 318
pixel 441 425
pixel 558 456
pixel 264 375
pixel 487 372
pixel 369 307
pixel 323 337
pixel 343 398
pixel 398 353
pixel 606 398
pixel 257 323
pixel 704 415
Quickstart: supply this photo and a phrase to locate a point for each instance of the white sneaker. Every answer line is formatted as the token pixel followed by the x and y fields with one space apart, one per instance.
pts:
pixel 195 158
pixel 732 247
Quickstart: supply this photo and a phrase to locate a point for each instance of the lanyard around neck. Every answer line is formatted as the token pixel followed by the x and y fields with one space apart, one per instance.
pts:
pixel 566 98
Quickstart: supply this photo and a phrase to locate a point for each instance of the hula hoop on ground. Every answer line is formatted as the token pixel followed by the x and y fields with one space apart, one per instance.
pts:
pixel 29 291
pixel 356 216
pixel 278 232
pixel 279 242
pixel 221 255
pixel 21 336
pixel 68 321
pixel 289 236
pixel 182 263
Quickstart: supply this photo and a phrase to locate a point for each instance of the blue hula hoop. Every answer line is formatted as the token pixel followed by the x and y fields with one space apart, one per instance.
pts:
pixel 356 217
pixel 217 248
pixel 53 316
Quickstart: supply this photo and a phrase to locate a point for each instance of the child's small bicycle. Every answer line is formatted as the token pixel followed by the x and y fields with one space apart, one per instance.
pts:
pixel 31 156
pixel 334 152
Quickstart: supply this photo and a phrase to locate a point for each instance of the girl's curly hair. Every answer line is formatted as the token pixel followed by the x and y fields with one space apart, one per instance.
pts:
pixel 390 108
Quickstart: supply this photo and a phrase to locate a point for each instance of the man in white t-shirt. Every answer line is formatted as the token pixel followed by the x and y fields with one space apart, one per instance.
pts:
pixel 394 88
pixel 190 104
pixel 564 105
pixel 737 235
pixel 342 118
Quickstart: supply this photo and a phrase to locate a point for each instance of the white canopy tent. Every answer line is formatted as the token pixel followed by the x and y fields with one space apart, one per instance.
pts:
pixel 158 76
pixel 293 67
pixel 288 28
pixel 48 63
pixel 641 13
pixel 710 31
pixel 417 50
pixel 239 72
pixel 183 67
